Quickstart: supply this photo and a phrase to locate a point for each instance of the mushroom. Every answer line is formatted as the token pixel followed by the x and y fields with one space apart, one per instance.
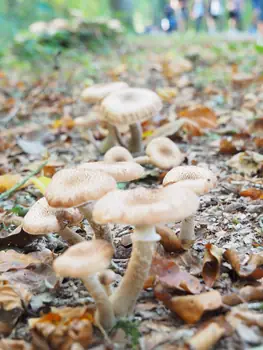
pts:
pixel 84 261
pixel 163 153
pixel 199 180
pixel 76 188
pixel 106 278
pixel 131 106
pixel 95 94
pixel 118 154
pixel 121 171
pixel 41 219
pixel 143 208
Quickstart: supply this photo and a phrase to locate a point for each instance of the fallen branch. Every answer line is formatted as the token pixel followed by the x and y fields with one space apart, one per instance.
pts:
pixel 9 192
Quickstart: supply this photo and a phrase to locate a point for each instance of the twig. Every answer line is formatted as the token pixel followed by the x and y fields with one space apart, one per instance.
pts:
pixel 9 192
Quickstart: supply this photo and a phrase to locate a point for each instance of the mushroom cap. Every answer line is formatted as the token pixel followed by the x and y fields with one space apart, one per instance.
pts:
pixel 84 259
pixel 118 154
pixel 164 153
pixel 130 105
pixel 75 187
pixel 42 219
pixel 121 171
pixel 98 92
pixel 144 206
pixel 188 176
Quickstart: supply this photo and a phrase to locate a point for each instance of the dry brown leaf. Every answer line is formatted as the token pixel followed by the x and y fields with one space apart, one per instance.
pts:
pixel 228 146
pixel 207 337
pixel 205 117
pixel 11 260
pixel 159 266
pixel 190 263
pixel 252 269
pixel 211 264
pixel 253 193
pixel 191 307
pixel 61 328
pixel 9 344
pixel 247 162
pixel 256 127
pixel 248 317
pixel 7 181
pixel 169 240
pixel 245 294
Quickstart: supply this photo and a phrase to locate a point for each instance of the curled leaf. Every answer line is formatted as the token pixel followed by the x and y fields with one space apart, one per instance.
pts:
pixel 245 294
pixel 253 193
pixel 169 240
pixel 205 117
pixel 252 269
pixel 191 307
pixel 211 264
pixel 207 337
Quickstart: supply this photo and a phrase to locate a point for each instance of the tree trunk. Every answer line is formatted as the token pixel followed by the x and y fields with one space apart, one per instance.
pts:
pixel 123 10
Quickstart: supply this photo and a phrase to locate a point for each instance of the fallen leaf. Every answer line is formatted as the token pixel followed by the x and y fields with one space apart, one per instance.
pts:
pixel 159 266
pixel 249 317
pixel 207 337
pixel 169 240
pixel 9 344
pixel 8 181
pixel 187 261
pixel 252 269
pixel 190 308
pixel 17 238
pixel 41 183
pixel 256 127
pixel 167 94
pixel 61 328
pixel 253 193
pixel 211 264
pixel 247 162
pixel 205 117
pixel 245 294
pixel 65 122
pixel 31 146
pixel 228 146
pixel 11 260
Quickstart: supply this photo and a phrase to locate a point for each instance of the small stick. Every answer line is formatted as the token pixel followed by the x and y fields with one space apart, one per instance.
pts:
pixel 9 192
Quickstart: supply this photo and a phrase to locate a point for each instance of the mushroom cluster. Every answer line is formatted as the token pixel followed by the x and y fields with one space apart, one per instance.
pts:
pixel 90 191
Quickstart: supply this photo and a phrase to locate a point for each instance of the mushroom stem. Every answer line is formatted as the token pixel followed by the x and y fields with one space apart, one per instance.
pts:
pixel 110 140
pixel 70 236
pixel 187 234
pixel 100 231
pixel 142 160
pixel 135 144
pixel 104 314
pixel 126 294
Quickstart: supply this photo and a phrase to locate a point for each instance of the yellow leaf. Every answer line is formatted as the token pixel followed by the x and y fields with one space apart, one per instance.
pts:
pixel 147 134
pixel 41 183
pixel 8 181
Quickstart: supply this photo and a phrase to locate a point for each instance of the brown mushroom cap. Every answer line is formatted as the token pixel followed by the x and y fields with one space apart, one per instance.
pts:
pixel 242 80
pixel 164 153
pixel 84 259
pixel 144 206
pixel 42 219
pixel 118 154
pixel 98 92
pixel 75 187
pixel 121 171
pixel 188 174
pixel 130 105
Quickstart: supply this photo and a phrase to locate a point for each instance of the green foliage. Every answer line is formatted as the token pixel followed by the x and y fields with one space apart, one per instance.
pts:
pixel 19 210
pixel 131 329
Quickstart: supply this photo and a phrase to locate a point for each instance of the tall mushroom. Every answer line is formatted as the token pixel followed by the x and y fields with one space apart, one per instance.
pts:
pixel 84 261
pixel 200 181
pixel 77 188
pixel 41 219
pixel 95 94
pixel 163 153
pixel 131 107
pixel 142 208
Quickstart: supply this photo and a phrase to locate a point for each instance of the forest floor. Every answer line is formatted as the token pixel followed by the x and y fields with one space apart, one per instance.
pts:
pixel 213 99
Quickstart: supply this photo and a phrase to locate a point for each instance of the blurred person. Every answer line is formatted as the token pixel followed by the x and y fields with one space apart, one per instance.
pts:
pixel 260 24
pixel 170 16
pixel 234 14
pixel 184 13
pixel 198 13
pixel 215 15
pixel 255 14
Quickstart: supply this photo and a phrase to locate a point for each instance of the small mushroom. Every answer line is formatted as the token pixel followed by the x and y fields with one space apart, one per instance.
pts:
pixel 106 278
pixel 95 94
pixel 118 154
pixel 84 261
pixel 163 153
pixel 77 188
pixel 131 106
pixel 200 181
pixel 143 208
pixel 41 219
pixel 121 171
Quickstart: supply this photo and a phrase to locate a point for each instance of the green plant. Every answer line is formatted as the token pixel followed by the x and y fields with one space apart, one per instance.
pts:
pixel 131 329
